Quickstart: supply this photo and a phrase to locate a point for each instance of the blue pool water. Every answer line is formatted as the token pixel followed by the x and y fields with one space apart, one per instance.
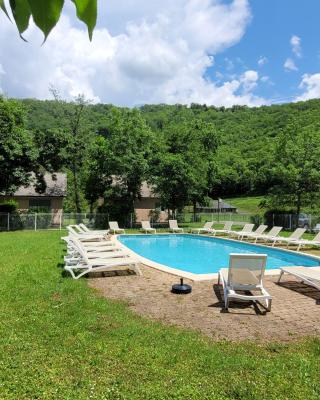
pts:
pixel 205 255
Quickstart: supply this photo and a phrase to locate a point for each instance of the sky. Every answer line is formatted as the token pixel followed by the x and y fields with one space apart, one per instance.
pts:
pixel 214 52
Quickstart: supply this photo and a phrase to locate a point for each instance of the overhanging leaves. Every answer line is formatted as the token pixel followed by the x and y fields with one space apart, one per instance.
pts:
pixel 46 14
pixel 87 12
pixel 3 7
pixel 21 13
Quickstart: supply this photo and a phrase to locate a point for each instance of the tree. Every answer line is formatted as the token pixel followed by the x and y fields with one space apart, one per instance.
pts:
pixel 46 13
pixel 297 167
pixel 119 163
pixel 75 139
pixel 180 170
pixel 18 155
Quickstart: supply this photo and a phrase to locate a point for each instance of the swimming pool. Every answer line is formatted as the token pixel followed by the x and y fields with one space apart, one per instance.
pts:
pixel 205 255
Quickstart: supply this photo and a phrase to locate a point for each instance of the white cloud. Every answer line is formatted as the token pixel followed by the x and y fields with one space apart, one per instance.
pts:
pixel 249 80
pixel 161 56
pixel 290 65
pixel 267 79
pixel 311 86
pixel 262 61
pixel 295 42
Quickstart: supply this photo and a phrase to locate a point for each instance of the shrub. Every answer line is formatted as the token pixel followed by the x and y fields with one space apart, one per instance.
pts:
pixel 8 206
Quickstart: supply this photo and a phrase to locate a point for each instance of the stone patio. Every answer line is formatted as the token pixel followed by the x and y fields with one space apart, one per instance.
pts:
pixel 295 308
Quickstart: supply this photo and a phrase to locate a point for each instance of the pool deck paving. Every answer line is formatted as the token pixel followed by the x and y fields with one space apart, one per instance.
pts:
pixel 295 307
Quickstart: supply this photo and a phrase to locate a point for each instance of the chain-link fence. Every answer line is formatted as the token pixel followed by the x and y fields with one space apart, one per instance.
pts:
pixel 38 221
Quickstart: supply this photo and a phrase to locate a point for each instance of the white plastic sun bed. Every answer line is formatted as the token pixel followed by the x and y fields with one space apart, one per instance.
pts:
pixel 274 232
pixel 306 274
pixel 86 236
pixel 207 228
pixel 114 227
pixel 246 229
pixel 313 242
pixel 225 230
pixel 259 231
pixel 85 229
pixel 292 239
pixel 245 272
pixel 173 226
pixel 146 227
pixel 84 265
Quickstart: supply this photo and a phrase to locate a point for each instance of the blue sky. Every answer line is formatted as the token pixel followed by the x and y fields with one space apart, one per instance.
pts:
pixel 219 52
pixel 268 35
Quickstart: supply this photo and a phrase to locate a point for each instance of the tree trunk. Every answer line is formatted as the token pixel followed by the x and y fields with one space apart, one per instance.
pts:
pixel 76 190
pixel 298 203
pixel 194 211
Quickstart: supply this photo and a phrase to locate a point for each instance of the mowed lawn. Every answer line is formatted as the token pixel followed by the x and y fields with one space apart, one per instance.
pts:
pixel 60 340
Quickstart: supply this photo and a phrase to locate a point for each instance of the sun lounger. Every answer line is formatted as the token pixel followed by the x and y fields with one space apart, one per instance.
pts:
pixel 313 242
pixel 245 273
pixel 207 228
pixel 173 226
pixel 92 231
pixel 146 227
pixel 114 227
pixel 246 229
pixel 274 232
pixel 84 265
pixel 259 231
pixel 74 252
pixel 86 236
pixel 306 274
pixel 292 239
pixel 225 230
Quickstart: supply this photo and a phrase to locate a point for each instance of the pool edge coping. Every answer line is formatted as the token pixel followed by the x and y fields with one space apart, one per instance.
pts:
pixel 190 275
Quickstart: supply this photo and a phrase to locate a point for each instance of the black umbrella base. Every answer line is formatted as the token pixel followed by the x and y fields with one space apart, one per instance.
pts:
pixel 181 288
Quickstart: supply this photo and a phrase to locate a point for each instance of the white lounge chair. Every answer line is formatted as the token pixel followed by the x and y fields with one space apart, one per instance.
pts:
pixel 306 274
pixel 84 265
pixel 313 242
pixel 86 236
pixel 259 231
pixel 207 228
pixel 114 227
pixel 146 227
pixel 274 232
pixel 74 246
pixel 173 226
pixel 245 272
pixel 316 228
pixel 92 231
pixel 246 229
pixel 225 230
pixel 292 239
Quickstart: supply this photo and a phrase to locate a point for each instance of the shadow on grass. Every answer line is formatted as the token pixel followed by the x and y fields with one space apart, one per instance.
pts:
pixel 302 288
pixel 258 308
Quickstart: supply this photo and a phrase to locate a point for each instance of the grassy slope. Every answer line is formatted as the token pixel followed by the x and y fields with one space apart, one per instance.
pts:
pixel 246 204
pixel 59 340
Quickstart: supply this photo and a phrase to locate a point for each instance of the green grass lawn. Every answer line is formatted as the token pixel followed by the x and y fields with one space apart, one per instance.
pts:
pixel 246 204
pixel 60 340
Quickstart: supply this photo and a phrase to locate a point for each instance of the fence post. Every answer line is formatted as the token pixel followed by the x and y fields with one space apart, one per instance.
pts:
pixel 35 221
pixel 60 220
pixel 273 220
pixel 8 222
pixel 290 221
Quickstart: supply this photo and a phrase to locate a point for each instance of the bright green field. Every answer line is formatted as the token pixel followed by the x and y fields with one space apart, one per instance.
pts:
pixel 60 340
pixel 246 204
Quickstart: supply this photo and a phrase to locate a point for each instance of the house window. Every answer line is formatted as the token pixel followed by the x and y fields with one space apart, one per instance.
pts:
pixel 40 205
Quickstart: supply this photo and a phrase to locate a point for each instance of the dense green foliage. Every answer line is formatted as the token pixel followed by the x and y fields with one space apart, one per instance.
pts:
pixel 186 153
pixel 18 155
pixel 59 340
pixel 201 151
pixel 46 14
